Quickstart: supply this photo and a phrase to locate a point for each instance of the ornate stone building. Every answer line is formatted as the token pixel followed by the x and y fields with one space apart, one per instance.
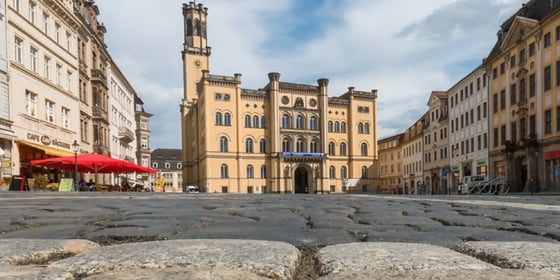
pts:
pixel 283 138
pixel 524 69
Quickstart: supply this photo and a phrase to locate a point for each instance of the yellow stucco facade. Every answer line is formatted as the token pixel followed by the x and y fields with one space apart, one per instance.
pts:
pixel 525 98
pixel 283 138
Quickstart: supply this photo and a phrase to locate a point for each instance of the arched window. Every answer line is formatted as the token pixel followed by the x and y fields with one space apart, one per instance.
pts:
pixel 343 173
pixel 300 145
pixel 263 122
pixel 223 144
pixel 262 146
pixel 330 126
pixel 364 149
pixel 360 128
pixel 366 128
pixel 227 119
pixel 218 118
pixel 313 146
pixel 336 127
pixel 332 172
pixel 256 121
pixel 224 171
pixel 313 123
pixel 263 172
pixel 331 149
pixel 247 121
pixel 249 145
pixel 250 173
pixel 286 145
pixel 154 165
pixel 343 127
pixel 285 121
pixel 364 172
pixel 299 122
pixel 342 149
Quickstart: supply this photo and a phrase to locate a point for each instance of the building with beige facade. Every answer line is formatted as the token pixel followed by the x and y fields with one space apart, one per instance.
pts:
pixel 390 164
pixel 142 132
pixel 282 138
pixel 43 69
pixel 468 123
pixel 54 89
pixel 413 163
pixel 7 135
pixel 436 149
pixel 525 105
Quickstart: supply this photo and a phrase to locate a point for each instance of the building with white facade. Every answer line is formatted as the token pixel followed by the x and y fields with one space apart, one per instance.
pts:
pixel 436 149
pixel 468 123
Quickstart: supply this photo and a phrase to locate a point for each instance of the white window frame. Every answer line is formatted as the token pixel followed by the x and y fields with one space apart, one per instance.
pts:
pixel 16 5
pixel 50 113
pixel 31 103
pixel 18 50
pixel 65 114
pixel 46 18
pixel 32 11
pixel 47 69
pixel 69 76
pixel 58 74
pixel 57 28
pixel 33 59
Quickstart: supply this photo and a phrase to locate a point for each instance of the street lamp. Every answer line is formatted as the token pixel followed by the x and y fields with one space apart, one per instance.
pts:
pixel 76 149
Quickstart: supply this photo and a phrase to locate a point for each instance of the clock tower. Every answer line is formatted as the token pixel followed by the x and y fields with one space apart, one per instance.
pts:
pixel 196 60
pixel 196 52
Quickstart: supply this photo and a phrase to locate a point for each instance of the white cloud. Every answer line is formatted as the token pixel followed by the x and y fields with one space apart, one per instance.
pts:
pixel 405 49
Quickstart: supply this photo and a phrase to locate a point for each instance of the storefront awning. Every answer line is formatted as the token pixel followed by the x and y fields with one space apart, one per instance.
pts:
pixel 47 150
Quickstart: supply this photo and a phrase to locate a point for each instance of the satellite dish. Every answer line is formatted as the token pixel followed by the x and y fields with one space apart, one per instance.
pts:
pixel 2 152
pixel 138 176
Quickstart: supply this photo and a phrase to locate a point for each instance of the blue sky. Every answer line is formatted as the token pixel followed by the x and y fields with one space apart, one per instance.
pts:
pixel 404 49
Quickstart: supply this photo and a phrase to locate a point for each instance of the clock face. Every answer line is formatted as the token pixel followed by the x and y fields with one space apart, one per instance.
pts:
pixel 197 63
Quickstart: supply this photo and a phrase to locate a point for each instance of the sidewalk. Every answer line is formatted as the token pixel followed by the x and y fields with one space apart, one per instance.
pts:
pixel 252 259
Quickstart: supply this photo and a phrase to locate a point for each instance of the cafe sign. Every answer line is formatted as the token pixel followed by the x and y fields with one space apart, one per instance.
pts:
pixel 48 141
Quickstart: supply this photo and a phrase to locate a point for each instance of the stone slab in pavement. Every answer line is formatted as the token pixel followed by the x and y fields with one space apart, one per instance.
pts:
pixel 207 259
pixel 276 260
pixel 544 256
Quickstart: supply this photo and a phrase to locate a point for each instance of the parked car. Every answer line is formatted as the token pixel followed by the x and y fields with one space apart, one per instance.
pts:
pixel 469 182
pixel 192 189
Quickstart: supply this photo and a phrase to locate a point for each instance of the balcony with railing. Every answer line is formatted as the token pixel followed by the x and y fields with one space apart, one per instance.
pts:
pixel 99 113
pixel 125 134
pixel 98 76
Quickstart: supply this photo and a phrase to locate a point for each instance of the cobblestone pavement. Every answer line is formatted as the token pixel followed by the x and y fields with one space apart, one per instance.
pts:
pixel 497 234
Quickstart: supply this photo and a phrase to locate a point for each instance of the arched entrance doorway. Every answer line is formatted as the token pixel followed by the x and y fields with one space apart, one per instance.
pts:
pixel 301 180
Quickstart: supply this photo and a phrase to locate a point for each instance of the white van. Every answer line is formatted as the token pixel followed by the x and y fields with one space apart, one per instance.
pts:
pixel 192 189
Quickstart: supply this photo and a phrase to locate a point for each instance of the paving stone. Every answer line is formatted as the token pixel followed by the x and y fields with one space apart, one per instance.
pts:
pixel 518 255
pixel 265 258
pixel 13 272
pixel 200 273
pixel 383 256
pixel 40 251
pixel 455 274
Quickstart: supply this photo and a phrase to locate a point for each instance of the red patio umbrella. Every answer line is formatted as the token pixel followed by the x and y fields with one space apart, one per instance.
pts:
pixel 94 163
